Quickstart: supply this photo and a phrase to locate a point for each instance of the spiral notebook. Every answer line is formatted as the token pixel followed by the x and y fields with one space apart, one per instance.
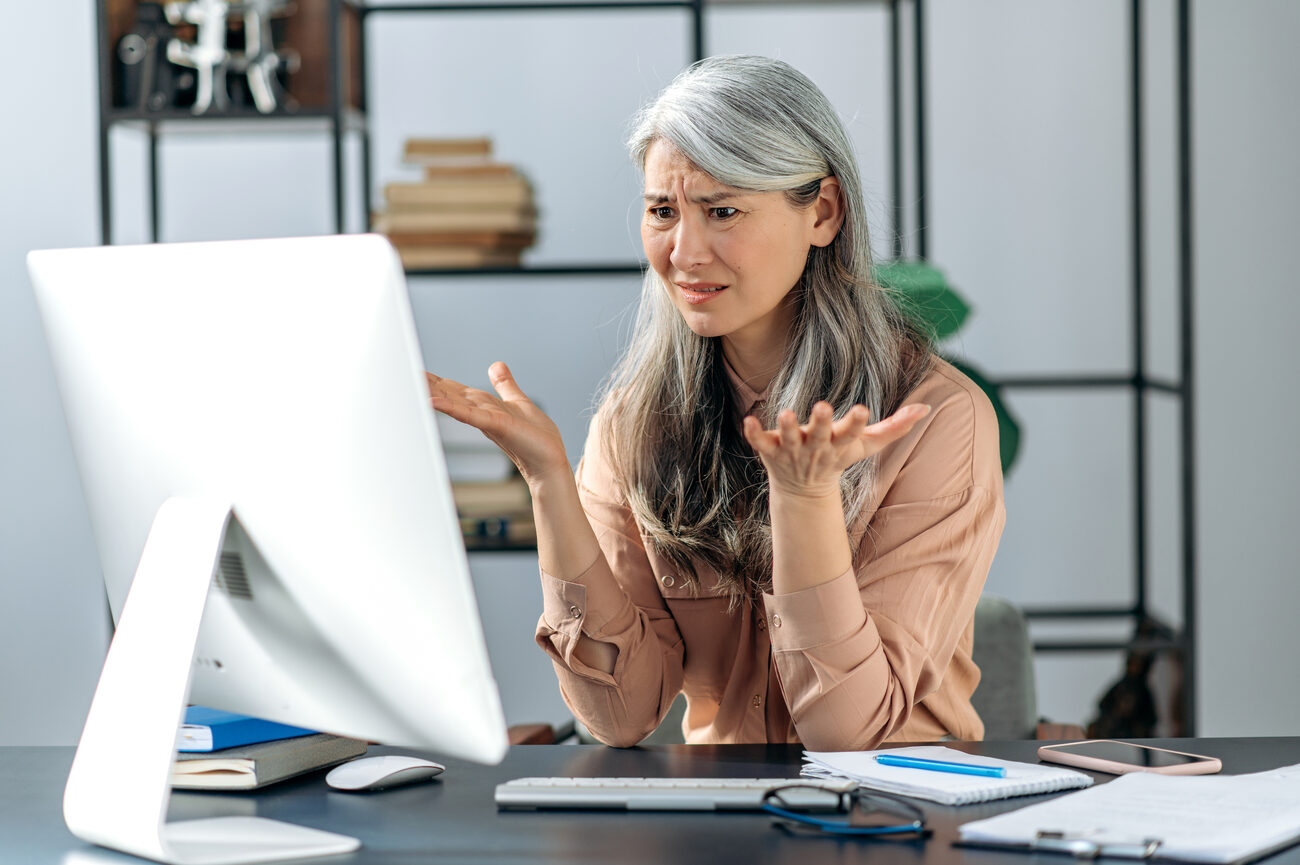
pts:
pixel 946 788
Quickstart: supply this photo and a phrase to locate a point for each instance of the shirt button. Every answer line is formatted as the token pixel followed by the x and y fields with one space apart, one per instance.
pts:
pixel 762 624
pixel 776 620
pixel 757 702
pixel 574 611
pixel 668 580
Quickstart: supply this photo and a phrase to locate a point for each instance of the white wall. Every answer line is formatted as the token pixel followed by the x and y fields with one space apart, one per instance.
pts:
pixel 1248 188
pixel 1028 212
pixel 53 625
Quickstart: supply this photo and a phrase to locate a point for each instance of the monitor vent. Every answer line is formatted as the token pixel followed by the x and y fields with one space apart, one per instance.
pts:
pixel 232 578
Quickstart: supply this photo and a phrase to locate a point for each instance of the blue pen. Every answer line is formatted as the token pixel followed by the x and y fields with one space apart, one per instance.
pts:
pixel 940 766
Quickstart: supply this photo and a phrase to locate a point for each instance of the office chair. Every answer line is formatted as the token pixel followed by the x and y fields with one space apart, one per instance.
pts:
pixel 1007 698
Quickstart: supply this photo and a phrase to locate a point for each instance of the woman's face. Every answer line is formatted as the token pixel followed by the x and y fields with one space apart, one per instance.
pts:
pixel 728 256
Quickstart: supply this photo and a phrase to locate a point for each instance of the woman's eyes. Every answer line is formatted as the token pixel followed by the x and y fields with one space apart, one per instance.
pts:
pixel 665 213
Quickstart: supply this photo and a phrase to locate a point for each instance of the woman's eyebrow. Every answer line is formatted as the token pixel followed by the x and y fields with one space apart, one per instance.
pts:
pixel 711 198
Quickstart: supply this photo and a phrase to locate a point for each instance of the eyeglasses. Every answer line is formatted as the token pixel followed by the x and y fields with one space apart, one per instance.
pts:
pixel 808 808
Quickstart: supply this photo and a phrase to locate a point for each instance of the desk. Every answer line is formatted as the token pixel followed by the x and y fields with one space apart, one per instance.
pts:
pixel 455 821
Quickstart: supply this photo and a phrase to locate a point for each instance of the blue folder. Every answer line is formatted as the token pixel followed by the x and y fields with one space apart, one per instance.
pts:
pixel 207 729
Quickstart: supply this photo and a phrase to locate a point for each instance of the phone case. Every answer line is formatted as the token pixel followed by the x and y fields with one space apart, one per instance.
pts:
pixel 1057 754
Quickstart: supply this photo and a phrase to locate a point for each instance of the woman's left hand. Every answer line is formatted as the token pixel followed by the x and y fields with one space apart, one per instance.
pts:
pixel 808 459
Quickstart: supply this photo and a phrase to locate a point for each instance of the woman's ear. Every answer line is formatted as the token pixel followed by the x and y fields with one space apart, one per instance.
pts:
pixel 828 211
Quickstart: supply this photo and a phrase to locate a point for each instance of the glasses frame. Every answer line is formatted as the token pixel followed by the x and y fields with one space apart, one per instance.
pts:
pixel 848 800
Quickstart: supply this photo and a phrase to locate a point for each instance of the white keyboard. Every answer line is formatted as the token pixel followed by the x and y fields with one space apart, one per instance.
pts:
pixel 655 794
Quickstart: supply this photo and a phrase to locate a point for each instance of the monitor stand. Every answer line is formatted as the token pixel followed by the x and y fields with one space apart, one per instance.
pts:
pixel 120 783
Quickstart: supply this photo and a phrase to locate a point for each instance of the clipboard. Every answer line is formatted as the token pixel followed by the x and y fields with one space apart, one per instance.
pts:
pixel 1215 820
pixel 1078 846
pixel 1081 847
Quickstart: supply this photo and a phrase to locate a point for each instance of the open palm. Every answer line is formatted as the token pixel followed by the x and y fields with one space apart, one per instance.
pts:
pixel 808 459
pixel 508 417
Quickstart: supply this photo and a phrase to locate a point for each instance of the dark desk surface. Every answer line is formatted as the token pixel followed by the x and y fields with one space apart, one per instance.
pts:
pixel 454 820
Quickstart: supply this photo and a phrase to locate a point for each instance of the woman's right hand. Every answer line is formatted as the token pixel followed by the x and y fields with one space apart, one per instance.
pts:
pixel 509 419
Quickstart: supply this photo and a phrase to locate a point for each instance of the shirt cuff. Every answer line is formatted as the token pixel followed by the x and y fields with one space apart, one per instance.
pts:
pixel 592 604
pixel 816 616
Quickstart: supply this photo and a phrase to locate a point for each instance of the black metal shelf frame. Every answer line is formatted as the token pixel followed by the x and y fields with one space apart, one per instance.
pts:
pixel 1141 384
pixel 536 270
pixel 339 120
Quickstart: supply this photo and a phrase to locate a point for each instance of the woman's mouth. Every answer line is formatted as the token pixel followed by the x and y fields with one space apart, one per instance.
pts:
pixel 700 292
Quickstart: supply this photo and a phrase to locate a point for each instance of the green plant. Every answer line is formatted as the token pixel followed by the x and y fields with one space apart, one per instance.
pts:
pixel 925 295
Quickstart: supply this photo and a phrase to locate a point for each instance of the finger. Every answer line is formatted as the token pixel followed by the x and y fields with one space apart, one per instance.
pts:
pixel 447 390
pixel 852 423
pixel 445 394
pixel 465 404
pixel 766 442
pixel 465 412
pixel 908 415
pixel 896 425
pixel 437 385
pixel 504 382
pixel 820 424
pixel 758 438
pixel 787 426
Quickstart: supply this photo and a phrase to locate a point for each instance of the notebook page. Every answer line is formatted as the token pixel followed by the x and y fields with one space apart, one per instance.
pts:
pixel 1213 819
pixel 947 788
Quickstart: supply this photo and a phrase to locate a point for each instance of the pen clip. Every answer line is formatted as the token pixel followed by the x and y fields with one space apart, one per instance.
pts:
pixel 1081 847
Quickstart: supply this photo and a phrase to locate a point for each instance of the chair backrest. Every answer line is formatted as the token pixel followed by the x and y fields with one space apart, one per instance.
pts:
pixel 1006 699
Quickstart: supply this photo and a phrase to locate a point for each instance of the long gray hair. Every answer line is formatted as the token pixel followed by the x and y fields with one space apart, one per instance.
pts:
pixel 669 418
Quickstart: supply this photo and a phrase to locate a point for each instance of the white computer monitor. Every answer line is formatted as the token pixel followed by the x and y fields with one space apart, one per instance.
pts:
pixel 258 411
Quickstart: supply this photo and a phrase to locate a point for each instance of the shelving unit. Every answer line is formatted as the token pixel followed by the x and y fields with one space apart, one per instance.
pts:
pixel 337 112
pixel 342 116
pixel 695 10
pixel 1140 383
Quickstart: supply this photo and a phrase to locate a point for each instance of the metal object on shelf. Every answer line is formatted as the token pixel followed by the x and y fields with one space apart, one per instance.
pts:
pixel 261 61
pixel 207 55
pixel 145 80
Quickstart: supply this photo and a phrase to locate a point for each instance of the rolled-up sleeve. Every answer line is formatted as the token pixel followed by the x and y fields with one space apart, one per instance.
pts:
pixel 615 602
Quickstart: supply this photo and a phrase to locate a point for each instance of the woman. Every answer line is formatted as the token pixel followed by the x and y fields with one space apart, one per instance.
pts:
pixel 739 530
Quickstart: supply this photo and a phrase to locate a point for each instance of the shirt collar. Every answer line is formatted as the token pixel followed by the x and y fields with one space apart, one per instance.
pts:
pixel 746 397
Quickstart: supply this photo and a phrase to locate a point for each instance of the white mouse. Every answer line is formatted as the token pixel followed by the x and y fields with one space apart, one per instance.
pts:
pixel 377 773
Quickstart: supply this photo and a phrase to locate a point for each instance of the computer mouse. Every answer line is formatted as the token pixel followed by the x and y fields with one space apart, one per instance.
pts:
pixel 377 773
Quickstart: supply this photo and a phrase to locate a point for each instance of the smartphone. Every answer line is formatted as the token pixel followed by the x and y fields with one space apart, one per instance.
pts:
pixel 1117 758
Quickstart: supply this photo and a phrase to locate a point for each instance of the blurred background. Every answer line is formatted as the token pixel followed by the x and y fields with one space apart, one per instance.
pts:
pixel 1026 208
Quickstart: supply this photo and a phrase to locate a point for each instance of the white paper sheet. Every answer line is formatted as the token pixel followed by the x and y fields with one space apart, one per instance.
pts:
pixel 1214 819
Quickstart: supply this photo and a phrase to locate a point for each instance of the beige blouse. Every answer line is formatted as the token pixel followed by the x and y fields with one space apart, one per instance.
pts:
pixel 880 653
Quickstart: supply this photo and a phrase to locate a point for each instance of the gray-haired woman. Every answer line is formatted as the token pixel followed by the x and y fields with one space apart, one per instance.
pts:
pixel 738 530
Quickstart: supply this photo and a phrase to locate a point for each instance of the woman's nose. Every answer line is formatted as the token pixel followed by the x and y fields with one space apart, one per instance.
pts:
pixel 690 246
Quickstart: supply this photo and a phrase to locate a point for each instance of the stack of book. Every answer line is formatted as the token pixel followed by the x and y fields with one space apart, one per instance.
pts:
pixel 469 210
pixel 495 513
pixel 219 750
